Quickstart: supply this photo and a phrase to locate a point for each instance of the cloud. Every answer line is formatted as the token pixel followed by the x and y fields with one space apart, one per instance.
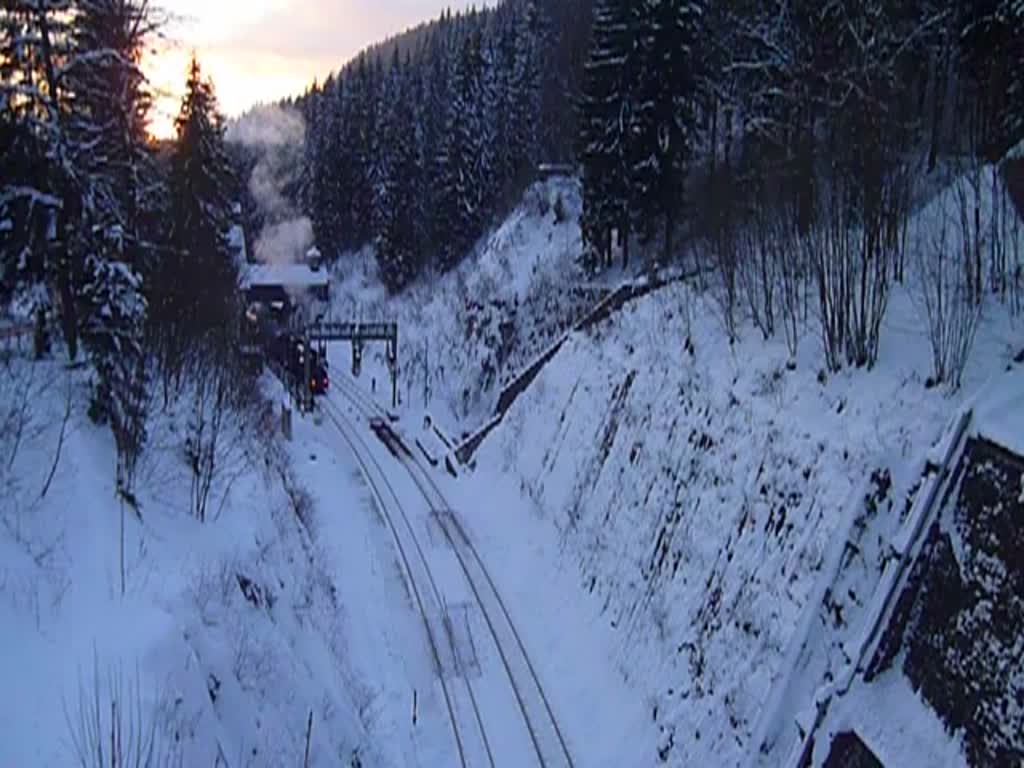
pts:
pixel 335 29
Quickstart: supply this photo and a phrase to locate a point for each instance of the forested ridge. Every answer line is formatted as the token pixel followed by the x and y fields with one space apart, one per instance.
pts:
pixel 417 145
pixel 647 98
pixel 783 145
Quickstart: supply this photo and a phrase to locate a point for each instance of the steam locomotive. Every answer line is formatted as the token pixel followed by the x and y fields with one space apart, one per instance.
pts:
pixel 291 353
pixel 265 337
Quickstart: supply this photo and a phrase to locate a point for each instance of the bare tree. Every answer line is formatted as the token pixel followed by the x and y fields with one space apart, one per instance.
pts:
pixel 756 271
pixel 724 253
pixel 1007 255
pixel 968 190
pixel 110 729
pixel 944 289
pixel 219 427
pixel 829 249
pixel 1015 263
pixel 60 439
pixel 784 242
pixel 17 383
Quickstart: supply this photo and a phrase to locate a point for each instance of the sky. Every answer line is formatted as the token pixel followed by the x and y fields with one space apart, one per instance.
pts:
pixel 262 50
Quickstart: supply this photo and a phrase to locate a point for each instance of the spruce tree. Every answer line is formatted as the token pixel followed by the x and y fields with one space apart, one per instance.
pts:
pixel 42 193
pixel 108 129
pixel 396 182
pixel 198 280
pixel 605 123
pixel 361 123
pixel 461 185
pixel 664 130
pixel 531 44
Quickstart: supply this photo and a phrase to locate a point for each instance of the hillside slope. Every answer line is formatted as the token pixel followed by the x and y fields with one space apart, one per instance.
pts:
pixel 465 333
pixel 697 493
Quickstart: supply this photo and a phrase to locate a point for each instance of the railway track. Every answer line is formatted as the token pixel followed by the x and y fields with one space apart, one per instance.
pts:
pixel 428 601
pixel 547 741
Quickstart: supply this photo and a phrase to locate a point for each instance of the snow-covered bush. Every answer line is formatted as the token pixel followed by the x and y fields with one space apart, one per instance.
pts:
pixel 115 311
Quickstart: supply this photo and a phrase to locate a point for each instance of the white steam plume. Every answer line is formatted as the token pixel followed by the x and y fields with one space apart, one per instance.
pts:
pixel 277 136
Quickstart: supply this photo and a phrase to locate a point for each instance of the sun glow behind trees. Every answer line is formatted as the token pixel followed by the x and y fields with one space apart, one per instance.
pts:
pixel 262 51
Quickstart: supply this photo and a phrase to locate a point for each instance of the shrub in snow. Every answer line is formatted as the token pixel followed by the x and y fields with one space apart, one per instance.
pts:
pixel 560 214
pixel 943 284
pixel 109 726
pixel 114 313
pixel 222 423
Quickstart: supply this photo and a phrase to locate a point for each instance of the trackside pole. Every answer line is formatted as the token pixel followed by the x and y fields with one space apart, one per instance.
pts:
pixel 393 364
pixel 307 389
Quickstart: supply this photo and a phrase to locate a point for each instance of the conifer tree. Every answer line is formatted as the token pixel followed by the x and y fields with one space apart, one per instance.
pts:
pixel 107 125
pixel 42 194
pixel 663 135
pixel 197 280
pixel 461 182
pixel 605 122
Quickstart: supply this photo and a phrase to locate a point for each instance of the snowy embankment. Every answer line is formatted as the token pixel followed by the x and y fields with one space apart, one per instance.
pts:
pixel 466 333
pixel 697 496
pixel 233 633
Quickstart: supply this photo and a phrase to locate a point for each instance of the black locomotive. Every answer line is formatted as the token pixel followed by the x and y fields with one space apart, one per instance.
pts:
pixel 298 360
pixel 265 335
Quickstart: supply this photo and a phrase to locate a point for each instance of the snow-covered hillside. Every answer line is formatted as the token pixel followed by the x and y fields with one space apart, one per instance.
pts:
pixel 664 514
pixel 467 332
pixel 696 493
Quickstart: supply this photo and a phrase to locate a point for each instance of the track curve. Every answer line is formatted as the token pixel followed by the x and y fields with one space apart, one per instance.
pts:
pixel 546 736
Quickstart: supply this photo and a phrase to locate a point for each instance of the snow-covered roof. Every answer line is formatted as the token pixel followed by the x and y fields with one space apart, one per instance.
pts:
pixel 999 414
pixel 236 237
pixel 288 275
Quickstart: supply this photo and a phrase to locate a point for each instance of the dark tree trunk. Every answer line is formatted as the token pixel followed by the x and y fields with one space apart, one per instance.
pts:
pixel 938 108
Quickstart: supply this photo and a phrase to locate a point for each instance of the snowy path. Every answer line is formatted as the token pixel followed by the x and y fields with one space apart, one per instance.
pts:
pixel 498 712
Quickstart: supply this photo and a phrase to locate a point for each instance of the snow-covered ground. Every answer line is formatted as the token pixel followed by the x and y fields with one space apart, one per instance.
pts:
pixel 281 605
pixel 232 631
pixel 699 494
pixel 602 720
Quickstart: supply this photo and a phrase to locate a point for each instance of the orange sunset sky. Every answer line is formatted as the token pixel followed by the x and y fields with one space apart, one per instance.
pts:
pixel 262 50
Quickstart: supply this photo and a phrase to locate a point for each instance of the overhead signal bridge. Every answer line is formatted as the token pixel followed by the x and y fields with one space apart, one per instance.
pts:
pixel 359 334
